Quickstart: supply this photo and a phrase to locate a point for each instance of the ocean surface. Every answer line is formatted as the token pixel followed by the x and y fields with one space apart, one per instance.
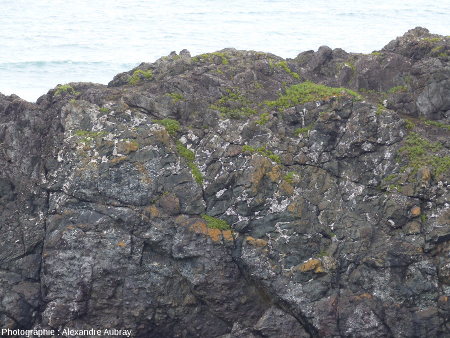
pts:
pixel 48 42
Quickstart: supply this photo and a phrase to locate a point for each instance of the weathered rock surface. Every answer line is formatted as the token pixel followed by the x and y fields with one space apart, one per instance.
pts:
pixel 222 196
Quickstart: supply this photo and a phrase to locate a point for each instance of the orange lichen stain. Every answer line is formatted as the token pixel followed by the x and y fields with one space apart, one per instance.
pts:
pixel 153 211
pixel 127 147
pixel 319 269
pixel 118 159
pixel 364 296
pixel 275 173
pixel 216 235
pixel 295 209
pixel 162 136
pixel 257 176
pixel 256 241
pixel 227 235
pixel 312 264
pixel 141 168
pixel 200 227
pixel 443 299
pixel 426 174
pixel 131 146
pixel 287 188
pixel 415 211
pixel 261 167
pixel 122 244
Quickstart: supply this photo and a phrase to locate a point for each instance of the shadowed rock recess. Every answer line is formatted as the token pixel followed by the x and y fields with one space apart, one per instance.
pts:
pixel 234 194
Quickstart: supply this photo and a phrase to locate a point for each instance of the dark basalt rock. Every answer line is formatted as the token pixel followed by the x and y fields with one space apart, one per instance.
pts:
pixel 336 210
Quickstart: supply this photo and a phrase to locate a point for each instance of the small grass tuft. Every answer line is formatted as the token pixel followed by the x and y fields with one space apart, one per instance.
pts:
pixel 233 105
pixel 304 130
pixel 409 125
pixel 139 75
pixel 184 152
pixel 308 92
pixel 289 177
pixel 216 223
pixel 263 119
pixel 437 124
pixel 397 89
pixel 284 65
pixel 172 126
pixel 211 56
pixel 263 151
pixel 60 89
pixel 380 109
pixel 176 96
pixel 423 218
pixel 189 156
pixel 432 40
pixel 420 152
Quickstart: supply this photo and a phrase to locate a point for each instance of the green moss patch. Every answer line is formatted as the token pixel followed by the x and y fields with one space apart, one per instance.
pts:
pixel 380 109
pixel 216 223
pixel 60 89
pixel 234 105
pixel 104 110
pixel 263 151
pixel 437 124
pixel 263 119
pixel 184 152
pixel 211 56
pixel 397 89
pixel 176 97
pixel 289 177
pixel 304 130
pixel 420 152
pixel 189 156
pixel 283 65
pixel 432 40
pixel 172 126
pixel 308 92
pixel 139 75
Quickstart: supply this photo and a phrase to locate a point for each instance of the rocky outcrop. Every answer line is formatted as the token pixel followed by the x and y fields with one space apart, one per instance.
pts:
pixel 234 194
pixel 411 73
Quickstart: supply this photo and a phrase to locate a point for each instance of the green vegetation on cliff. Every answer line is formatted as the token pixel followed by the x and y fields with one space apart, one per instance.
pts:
pixel 233 105
pixel 189 156
pixel 283 65
pixel 139 75
pixel 211 56
pixel 216 223
pixel 172 126
pixel 263 151
pixel 60 89
pixel 308 92
pixel 420 152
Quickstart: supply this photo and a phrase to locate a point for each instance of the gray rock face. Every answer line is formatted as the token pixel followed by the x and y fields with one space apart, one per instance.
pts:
pixel 223 196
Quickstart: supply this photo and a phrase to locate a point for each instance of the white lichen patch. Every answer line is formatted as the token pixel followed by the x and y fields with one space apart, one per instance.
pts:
pixel 220 193
pixel 276 206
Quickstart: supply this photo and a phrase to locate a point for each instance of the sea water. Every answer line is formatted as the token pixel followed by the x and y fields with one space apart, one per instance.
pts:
pixel 48 42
